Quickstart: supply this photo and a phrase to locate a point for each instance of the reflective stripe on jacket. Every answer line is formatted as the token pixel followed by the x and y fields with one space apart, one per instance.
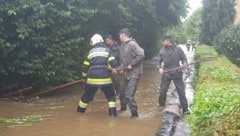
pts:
pixel 97 67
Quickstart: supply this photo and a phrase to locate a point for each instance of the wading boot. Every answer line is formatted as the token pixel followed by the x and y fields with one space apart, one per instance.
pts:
pixel 134 114
pixel 186 111
pixel 80 109
pixel 123 107
pixel 112 111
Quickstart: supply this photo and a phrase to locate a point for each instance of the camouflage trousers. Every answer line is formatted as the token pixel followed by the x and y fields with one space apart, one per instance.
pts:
pixel 127 94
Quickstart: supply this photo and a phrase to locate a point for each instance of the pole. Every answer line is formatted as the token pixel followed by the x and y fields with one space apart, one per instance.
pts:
pixel 58 87
pixel 123 68
pixel 203 59
pixel 18 92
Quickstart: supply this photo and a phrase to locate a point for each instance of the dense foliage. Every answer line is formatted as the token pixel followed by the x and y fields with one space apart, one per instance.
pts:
pixel 227 42
pixel 43 42
pixel 193 24
pixel 178 33
pixel 215 110
pixel 150 19
pixel 188 30
pixel 39 42
pixel 216 15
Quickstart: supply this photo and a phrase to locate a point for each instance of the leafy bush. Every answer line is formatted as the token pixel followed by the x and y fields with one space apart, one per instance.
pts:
pixel 216 15
pixel 204 50
pixel 42 42
pixel 227 42
pixel 218 70
pixel 215 110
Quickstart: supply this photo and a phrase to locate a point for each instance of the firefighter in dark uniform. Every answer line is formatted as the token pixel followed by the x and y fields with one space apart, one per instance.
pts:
pixel 97 68
pixel 169 57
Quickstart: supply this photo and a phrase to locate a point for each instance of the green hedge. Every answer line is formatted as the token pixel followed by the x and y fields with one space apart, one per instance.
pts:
pixel 43 42
pixel 216 106
pixel 227 42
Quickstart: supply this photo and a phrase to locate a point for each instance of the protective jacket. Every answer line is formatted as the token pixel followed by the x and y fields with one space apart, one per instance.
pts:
pixel 97 67
pixel 132 54
pixel 169 57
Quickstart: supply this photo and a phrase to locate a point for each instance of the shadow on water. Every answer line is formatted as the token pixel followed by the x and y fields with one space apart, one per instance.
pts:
pixel 63 120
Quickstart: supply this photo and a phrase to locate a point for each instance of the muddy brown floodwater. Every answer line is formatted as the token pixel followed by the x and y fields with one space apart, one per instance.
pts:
pixel 63 120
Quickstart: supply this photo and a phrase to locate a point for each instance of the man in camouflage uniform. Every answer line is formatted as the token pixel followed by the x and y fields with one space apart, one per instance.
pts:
pixel 169 57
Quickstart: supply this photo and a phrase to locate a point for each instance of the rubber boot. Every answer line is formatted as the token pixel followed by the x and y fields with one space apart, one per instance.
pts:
pixel 186 111
pixel 123 107
pixel 134 114
pixel 112 111
pixel 80 109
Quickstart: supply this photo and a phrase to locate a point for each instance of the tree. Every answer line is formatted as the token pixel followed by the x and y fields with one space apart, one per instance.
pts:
pixel 216 15
pixel 227 42
pixel 178 34
pixel 41 42
pixel 153 22
pixel 44 42
pixel 189 29
pixel 192 25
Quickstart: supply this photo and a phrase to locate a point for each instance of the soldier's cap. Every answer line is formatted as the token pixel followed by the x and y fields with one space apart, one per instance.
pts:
pixel 165 37
pixel 125 31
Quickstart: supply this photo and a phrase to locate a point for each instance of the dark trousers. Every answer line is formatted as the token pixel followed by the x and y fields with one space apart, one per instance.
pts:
pixel 178 82
pixel 127 94
pixel 117 81
pixel 90 92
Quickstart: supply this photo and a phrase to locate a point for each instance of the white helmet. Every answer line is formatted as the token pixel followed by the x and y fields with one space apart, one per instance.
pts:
pixel 96 38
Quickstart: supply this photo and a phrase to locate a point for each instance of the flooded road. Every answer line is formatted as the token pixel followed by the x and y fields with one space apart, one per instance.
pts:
pixel 62 119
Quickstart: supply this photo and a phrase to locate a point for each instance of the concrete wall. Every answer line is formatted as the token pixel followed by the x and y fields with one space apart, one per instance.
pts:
pixel 237 18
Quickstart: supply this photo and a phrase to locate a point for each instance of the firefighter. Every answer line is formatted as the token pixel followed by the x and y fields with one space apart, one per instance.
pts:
pixel 97 69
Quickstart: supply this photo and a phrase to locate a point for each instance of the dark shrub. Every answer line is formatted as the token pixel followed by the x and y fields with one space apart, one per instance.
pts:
pixel 227 42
